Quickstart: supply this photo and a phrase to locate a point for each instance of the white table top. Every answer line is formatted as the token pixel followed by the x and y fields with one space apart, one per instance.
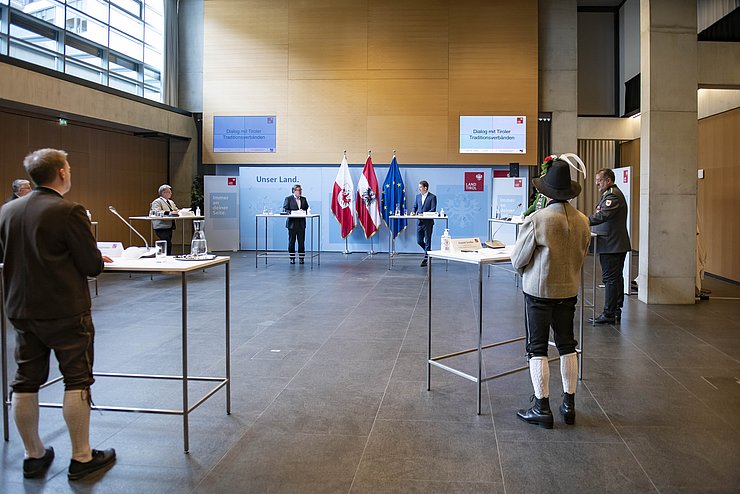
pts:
pixel 511 221
pixel 169 265
pixel 416 217
pixel 482 256
pixel 165 218
pixel 271 215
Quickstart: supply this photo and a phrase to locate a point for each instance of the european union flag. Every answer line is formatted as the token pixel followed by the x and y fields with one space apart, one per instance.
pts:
pixel 394 198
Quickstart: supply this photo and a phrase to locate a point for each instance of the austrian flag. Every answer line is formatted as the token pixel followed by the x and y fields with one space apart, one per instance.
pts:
pixel 368 200
pixel 341 199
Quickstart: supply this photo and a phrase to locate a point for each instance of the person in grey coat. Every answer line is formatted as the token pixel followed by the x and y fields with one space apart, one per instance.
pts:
pixel 613 242
pixel 549 253
pixel 165 206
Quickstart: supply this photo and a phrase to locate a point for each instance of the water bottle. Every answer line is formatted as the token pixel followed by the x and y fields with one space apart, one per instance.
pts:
pixel 398 210
pixel 498 212
pixel 442 212
pixel 446 240
pixel 198 246
pixel 197 211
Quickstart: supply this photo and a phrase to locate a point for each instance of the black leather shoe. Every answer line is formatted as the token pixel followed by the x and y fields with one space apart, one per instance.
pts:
pixel 292 261
pixel 568 408
pixel 301 261
pixel 423 263
pixel 603 319
pixel 100 460
pixel 36 467
pixel 618 315
pixel 540 414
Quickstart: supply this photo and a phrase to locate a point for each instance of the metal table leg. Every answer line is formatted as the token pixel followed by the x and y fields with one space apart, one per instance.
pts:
pixel 227 332
pixel 429 326
pixel 4 338
pixel 480 332
pixel 185 407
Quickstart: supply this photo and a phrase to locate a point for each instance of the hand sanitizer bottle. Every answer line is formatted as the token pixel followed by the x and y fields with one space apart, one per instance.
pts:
pixel 446 240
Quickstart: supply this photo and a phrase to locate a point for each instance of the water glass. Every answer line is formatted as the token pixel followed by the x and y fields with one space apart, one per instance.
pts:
pixel 161 246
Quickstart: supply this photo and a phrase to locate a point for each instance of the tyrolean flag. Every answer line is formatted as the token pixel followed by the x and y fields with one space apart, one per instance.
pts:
pixel 341 199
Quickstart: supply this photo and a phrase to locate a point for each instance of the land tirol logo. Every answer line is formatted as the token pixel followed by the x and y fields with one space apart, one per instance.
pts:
pixel 474 181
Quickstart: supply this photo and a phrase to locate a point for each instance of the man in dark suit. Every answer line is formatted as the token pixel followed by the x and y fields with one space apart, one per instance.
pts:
pixel 613 243
pixel 48 251
pixel 296 226
pixel 425 201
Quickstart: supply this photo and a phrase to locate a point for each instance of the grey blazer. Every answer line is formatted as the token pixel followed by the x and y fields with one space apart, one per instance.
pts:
pixel 550 250
pixel 162 204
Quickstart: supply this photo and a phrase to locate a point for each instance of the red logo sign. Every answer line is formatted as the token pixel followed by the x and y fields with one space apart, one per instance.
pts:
pixel 474 181
pixel 517 182
pixel 625 176
pixel 231 181
pixel 520 120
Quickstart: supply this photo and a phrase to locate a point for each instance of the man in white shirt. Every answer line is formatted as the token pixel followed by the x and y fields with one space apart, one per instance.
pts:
pixel 425 201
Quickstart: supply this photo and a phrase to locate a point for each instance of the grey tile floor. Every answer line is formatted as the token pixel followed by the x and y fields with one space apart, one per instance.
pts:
pixel 329 391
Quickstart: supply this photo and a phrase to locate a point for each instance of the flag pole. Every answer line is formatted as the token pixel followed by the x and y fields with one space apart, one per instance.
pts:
pixel 346 245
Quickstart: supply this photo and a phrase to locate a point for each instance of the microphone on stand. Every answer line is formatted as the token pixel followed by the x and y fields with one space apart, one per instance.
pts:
pixel 134 252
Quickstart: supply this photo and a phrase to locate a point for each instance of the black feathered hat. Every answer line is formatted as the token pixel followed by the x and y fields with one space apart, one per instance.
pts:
pixel 556 184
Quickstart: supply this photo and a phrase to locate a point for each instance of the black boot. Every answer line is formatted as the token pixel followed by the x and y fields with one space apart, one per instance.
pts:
pixel 568 408
pixel 539 414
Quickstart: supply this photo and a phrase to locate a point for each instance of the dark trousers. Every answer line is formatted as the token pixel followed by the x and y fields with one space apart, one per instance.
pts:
pixel 424 234
pixel 165 234
pixel 611 272
pixel 544 313
pixel 72 340
pixel 298 234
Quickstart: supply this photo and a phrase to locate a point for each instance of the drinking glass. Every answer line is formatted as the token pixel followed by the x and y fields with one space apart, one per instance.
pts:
pixel 161 246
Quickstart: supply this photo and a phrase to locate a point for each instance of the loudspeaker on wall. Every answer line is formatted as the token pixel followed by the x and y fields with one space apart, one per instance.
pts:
pixel 513 169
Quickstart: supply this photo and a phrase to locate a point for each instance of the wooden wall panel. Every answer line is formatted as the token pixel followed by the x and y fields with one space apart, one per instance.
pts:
pixel 415 97
pixel 308 98
pixel 402 36
pixel 261 55
pixel 417 139
pixel 365 74
pixel 328 35
pixel 718 149
pixel 108 167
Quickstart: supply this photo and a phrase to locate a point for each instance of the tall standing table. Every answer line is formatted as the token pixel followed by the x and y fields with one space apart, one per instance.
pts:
pixel 417 217
pixel 267 253
pixel 169 266
pixel 484 257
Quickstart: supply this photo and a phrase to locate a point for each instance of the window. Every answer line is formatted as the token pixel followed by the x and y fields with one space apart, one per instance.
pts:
pixel 118 43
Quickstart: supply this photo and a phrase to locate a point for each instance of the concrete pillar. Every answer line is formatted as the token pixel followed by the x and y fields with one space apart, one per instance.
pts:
pixel 558 52
pixel 190 24
pixel 668 52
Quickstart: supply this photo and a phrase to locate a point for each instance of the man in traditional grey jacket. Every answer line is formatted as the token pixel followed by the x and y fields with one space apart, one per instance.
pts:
pixel 549 254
